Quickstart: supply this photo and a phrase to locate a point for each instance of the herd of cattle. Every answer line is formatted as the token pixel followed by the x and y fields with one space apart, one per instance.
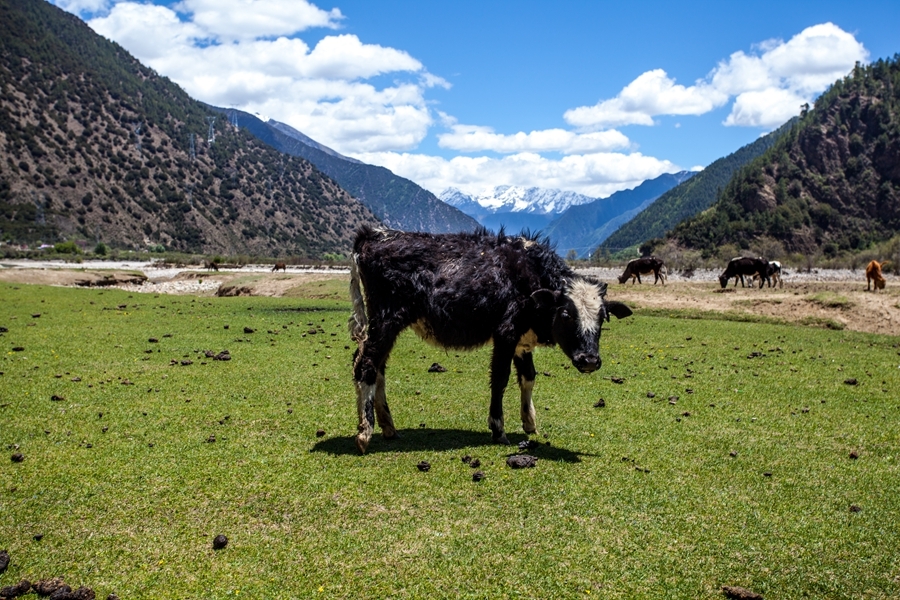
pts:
pixel 765 271
pixel 462 291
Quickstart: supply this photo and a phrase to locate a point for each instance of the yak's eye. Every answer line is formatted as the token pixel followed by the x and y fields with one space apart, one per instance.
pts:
pixel 564 314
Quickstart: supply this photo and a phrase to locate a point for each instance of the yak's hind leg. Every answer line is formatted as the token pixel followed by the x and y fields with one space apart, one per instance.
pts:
pixel 501 361
pixel 526 375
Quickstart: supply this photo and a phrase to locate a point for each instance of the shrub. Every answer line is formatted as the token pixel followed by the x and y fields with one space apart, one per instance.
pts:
pixel 66 248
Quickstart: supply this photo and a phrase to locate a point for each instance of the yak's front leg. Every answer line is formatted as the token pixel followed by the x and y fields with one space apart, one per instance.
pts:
pixel 526 375
pixel 500 368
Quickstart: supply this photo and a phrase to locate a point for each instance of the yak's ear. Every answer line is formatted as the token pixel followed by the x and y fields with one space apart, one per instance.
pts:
pixel 618 309
pixel 545 298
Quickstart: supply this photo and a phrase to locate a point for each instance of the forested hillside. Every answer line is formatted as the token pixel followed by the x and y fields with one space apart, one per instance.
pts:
pixel 689 198
pixel 96 146
pixel 832 183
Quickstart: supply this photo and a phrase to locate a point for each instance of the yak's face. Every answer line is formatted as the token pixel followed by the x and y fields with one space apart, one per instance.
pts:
pixel 577 316
pixel 723 280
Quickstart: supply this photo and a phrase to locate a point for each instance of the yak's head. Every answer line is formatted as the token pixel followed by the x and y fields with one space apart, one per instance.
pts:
pixel 623 278
pixel 575 317
pixel 723 280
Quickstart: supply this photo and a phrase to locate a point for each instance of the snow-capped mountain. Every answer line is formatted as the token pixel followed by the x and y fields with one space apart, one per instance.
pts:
pixel 515 199
pixel 572 221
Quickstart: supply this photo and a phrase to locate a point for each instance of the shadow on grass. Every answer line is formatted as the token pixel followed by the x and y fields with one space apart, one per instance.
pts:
pixel 418 440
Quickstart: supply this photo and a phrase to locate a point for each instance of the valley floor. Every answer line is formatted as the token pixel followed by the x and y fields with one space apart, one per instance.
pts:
pixel 828 298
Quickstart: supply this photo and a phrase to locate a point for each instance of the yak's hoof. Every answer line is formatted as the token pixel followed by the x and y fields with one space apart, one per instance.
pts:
pixel 501 440
pixel 532 432
pixel 393 434
pixel 361 445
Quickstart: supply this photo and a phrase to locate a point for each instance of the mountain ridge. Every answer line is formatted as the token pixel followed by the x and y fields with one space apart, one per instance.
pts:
pixel 94 145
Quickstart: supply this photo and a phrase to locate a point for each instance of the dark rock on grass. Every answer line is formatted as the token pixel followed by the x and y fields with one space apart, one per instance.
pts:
pixel 17 457
pixel 186 362
pixel 153 340
pixel 651 395
pixel 249 330
pixel 467 459
pixel 600 403
pixel 475 463
pixel 219 542
pixel 738 593
pixel 18 349
pixel 37 537
pixel 521 461
pixel 46 587
pixel 56 398
pixel 4 560
pixel 437 368
pixel 851 381
pixel 320 433
pixel 424 466
pixel 223 355
pixel 477 476
pixel 854 508
pixel 527 444
pixel 732 454
pixel 615 379
pixel 854 454
pixel 14 591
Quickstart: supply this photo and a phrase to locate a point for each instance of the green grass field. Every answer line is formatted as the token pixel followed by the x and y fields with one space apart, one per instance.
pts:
pixel 746 479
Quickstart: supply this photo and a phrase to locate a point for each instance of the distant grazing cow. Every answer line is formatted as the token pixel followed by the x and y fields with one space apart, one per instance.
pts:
pixel 462 291
pixel 212 266
pixel 774 271
pixel 742 265
pixel 873 274
pixel 281 266
pixel 644 266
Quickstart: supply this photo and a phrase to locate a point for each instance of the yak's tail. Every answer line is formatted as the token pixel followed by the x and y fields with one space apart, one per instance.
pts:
pixel 664 272
pixel 359 323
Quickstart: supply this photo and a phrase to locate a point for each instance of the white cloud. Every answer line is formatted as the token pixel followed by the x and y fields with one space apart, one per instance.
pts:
pixel 765 86
pixel 250 19
pixel 767 108
pixel 470 138
pixel 652 93
pixel 598 174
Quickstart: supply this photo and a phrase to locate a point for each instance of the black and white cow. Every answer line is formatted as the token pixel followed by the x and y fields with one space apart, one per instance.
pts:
pixel 744 265
pixel 462 291
pixel 644 266
pixel 774 272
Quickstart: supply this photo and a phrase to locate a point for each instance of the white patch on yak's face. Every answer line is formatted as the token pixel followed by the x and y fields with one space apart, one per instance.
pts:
pixel 586 298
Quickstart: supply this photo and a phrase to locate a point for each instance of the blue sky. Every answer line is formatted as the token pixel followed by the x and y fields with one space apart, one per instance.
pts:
pixel 587 96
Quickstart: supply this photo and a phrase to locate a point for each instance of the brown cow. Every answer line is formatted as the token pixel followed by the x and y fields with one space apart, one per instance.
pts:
pixel 212 266
pixel 281 266
pixel 873 273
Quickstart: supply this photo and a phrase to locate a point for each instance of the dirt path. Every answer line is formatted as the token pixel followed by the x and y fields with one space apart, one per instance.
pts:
pixel 814 298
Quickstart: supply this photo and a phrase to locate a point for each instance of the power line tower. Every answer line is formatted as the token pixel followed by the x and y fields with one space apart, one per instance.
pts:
pixel 211 137
pixel 191 151
pixel 234 119
pixel 190 194
pixel 137 137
